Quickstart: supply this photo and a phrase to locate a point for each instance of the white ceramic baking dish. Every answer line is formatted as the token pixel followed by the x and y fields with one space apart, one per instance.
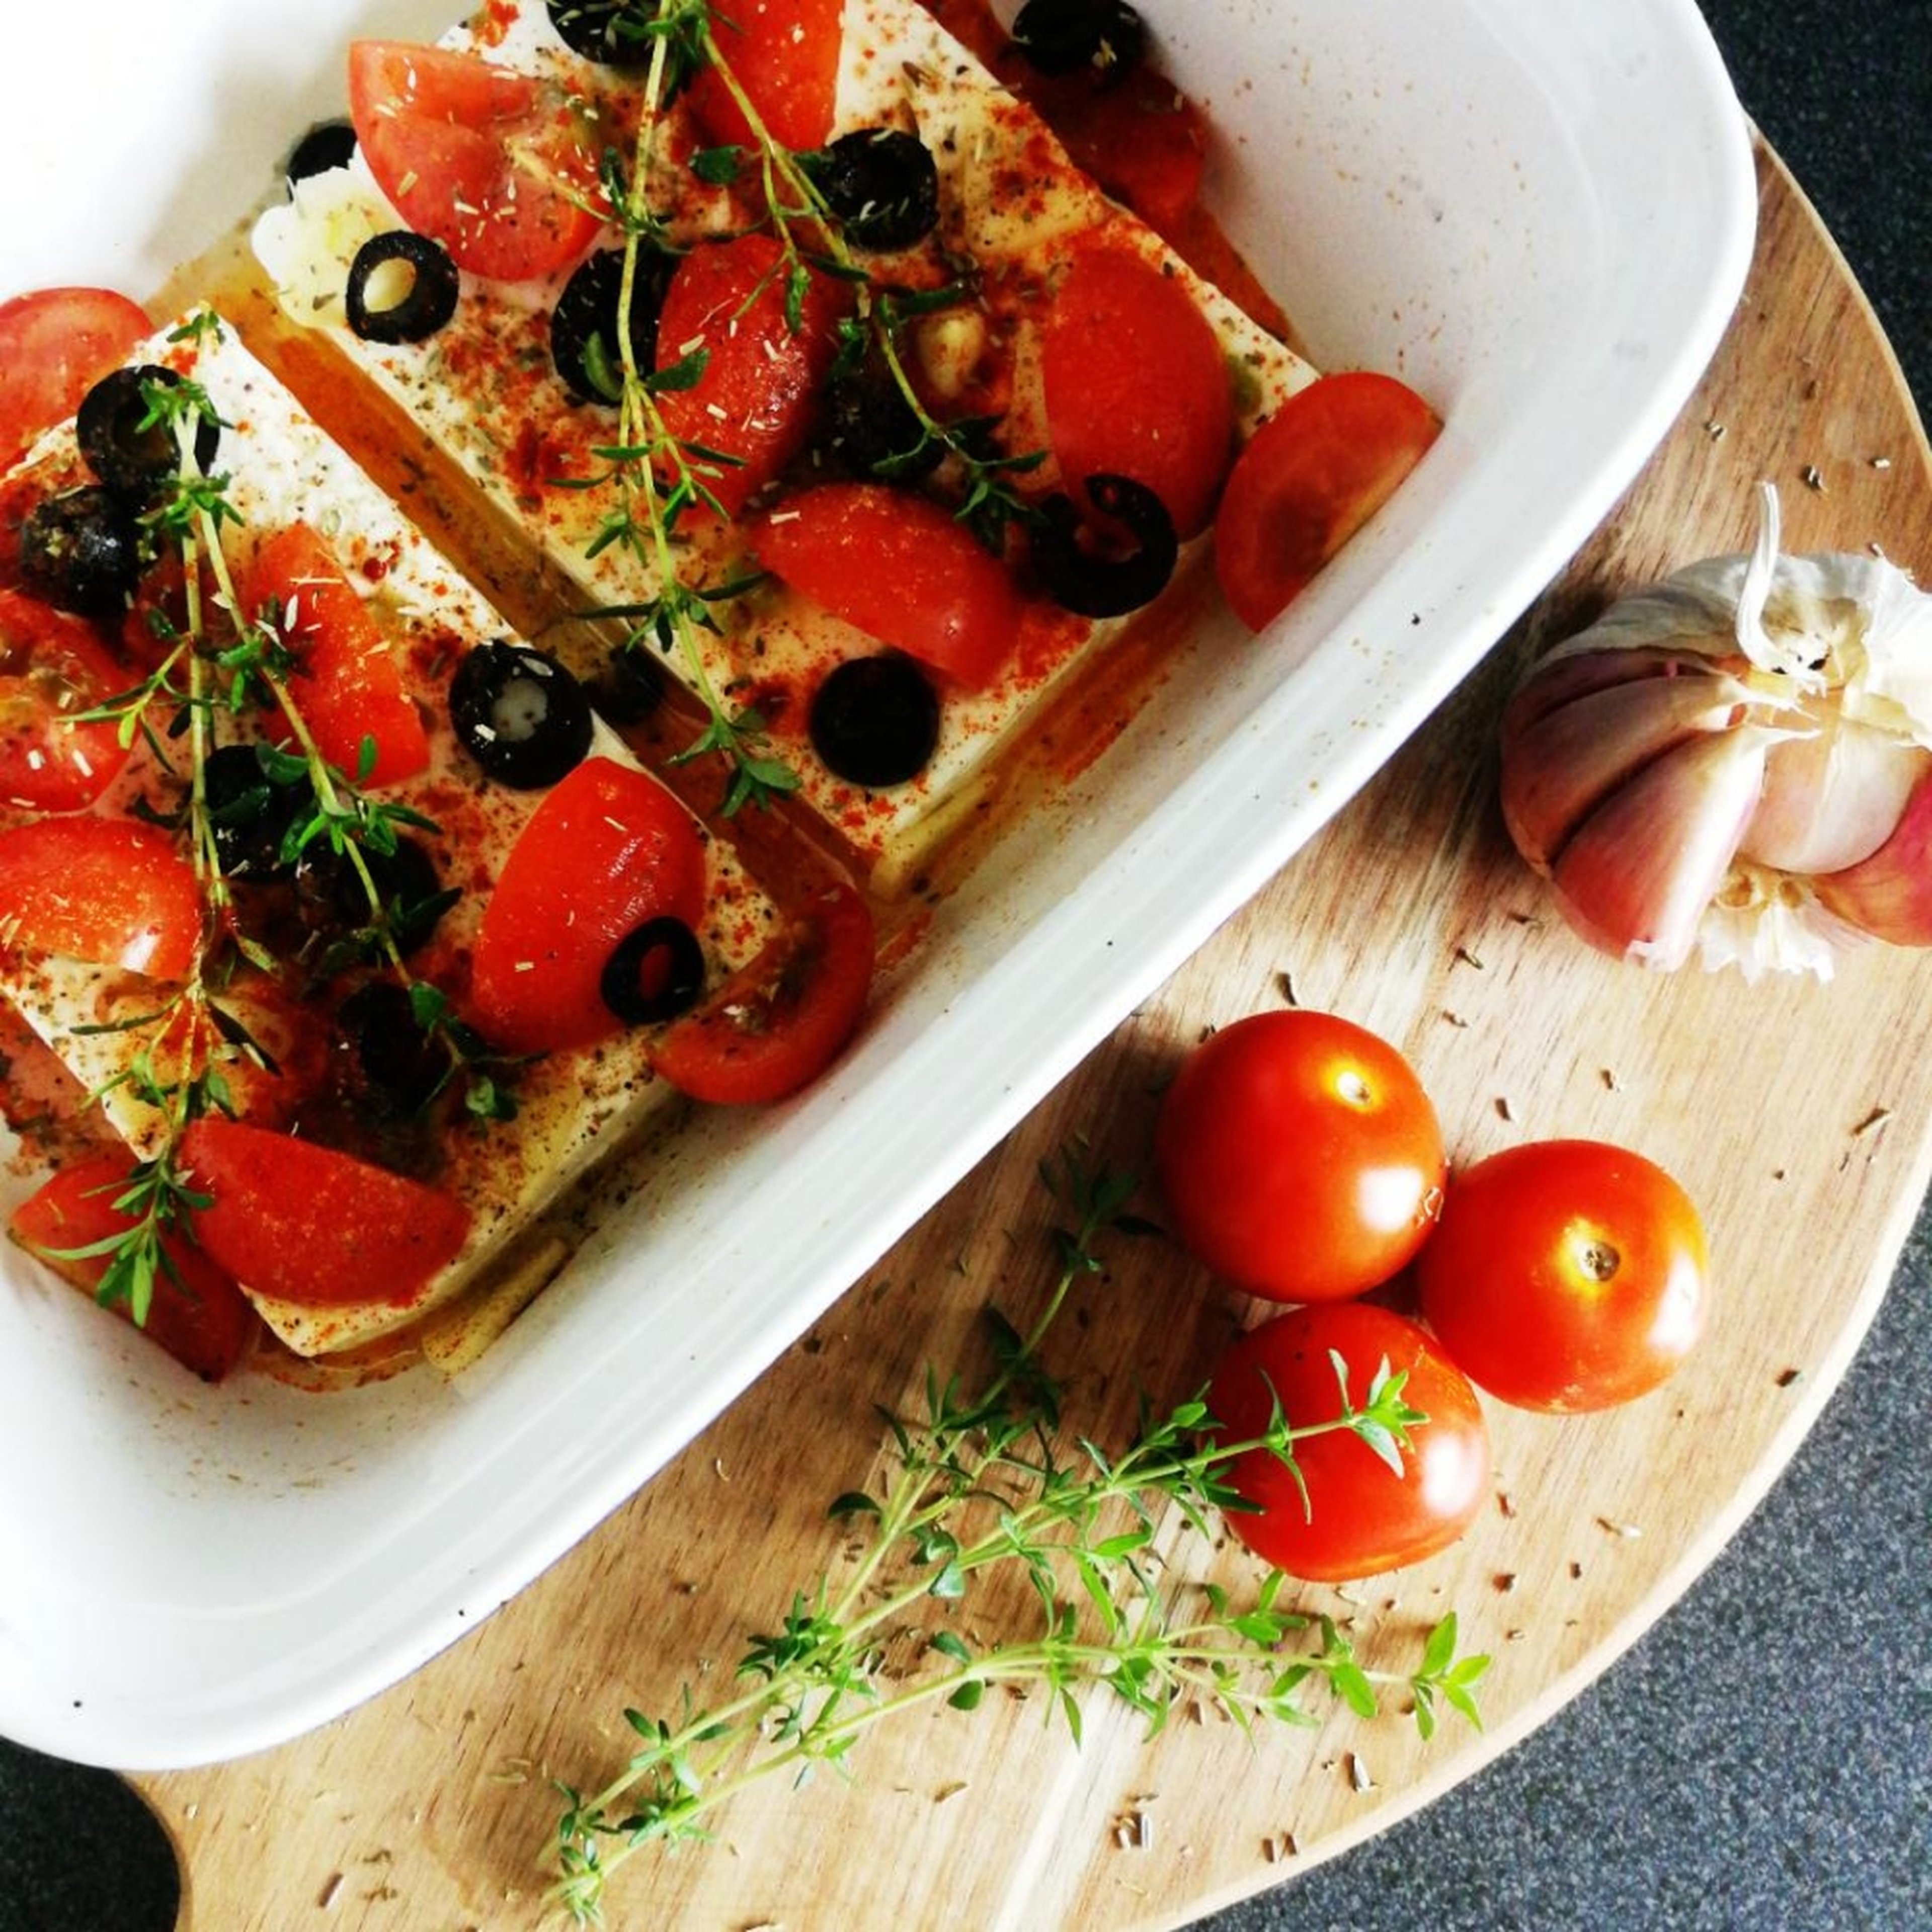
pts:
pixel 1538 211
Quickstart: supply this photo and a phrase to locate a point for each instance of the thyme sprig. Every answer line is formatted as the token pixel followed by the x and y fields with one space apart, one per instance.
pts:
pixel 983 1483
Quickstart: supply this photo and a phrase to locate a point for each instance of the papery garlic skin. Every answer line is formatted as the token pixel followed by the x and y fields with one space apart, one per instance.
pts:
pixel 1735 764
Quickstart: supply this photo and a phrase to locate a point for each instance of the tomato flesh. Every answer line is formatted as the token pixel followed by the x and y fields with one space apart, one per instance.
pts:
pixel 1359 1517
pixel 53 667
pixel 752 405
pixel 1300 1158
pixel 55 345
pixel 784 54
pixel 302 1222
pixel 780 1023
pixel 111 892
pixel 347 684
pixel 1566 1275
pixel 197 1314
pixel 902 569
pixel 493 164
pixel 608 849
pixel 1309 478
pixel 1134 384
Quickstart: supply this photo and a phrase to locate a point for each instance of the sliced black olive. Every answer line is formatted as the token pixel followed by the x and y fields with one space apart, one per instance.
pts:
pixel 397 1061
pixel 422 307
pixel 82 550
pixel 630 687
pixel 1081 574
pixel 881 184
pixel 329 144
pixel 334 904
pixel 519 714
pixel 871 430
pixel 1060 36
pixel 584 343
pixel 656 972
pixel 875 720
pixel 596 29
pixel 249 813
pixel 124 440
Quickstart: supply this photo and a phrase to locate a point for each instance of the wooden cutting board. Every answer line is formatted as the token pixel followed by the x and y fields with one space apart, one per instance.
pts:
pixel 1799 1115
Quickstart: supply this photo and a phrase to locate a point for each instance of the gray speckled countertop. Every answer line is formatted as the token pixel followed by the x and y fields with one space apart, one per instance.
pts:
pixel 1763 1758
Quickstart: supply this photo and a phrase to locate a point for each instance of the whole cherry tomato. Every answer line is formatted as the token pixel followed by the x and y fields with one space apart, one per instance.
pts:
pixel 1300 1158
pixel 1346 1509
pixel 1567 1274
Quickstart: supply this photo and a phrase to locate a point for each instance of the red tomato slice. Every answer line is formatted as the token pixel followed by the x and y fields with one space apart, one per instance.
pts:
pixel 753 403
pixel 1140 138
pixel 55 345
pixel 1136 384
pixel 608 849
pixel 496 166
pixel 347 684
pixel 107 890
pixel 784 54
pixel 1310 478
pixel 304 1223
pixel 197 1314
pixel 901 568
pixel 1351 1515
pixel 781 1021
pixel 53 666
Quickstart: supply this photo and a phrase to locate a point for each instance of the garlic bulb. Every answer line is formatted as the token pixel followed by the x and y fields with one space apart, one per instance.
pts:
pixel 1736 762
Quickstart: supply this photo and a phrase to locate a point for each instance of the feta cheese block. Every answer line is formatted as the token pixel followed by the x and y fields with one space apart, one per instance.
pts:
pixel 301 954
pixel 1013 214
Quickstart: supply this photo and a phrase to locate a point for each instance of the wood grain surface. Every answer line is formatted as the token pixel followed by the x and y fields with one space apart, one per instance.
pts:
pixel 1799 1115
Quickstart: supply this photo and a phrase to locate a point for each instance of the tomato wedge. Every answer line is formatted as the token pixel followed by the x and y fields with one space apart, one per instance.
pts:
pixel 304 1223
pixel 1310 478
pixel 498 166
pixel 608 849
pixel 52 667
pixel 781 1021
pixel 902 568
pixel 752 404
pixel 108 891
pixel 1136 384
pixel 347 684
pixel 784 54
pixel 197 1314
pixel 55 345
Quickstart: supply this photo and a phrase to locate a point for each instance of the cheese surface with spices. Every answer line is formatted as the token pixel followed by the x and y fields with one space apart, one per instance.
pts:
pixel 976 293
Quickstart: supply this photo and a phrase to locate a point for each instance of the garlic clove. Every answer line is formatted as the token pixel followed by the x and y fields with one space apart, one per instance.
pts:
pixel 1889 894
pixel 1561 769
pixel 1563 678
pixel 1635 878
pixel 1832 796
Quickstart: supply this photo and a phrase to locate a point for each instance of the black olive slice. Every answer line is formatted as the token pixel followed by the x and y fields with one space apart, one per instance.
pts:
pixel 882 186
pixel 519 714
pixel 334 903
pixel 126 443
pixel 397 1061
pixel 421 307
pixel 875 720
pixel 81 551
pixel 656 972
pixel 871 430
pixel 595 29
pixel 328 145
pixel 249 814
pixel 630 687
pixel 584 343
pixel 1060 37
pixel 1083 576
